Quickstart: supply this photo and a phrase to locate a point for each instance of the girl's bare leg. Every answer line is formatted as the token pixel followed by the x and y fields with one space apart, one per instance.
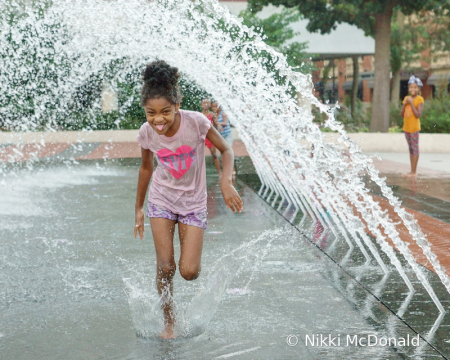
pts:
pixel 191 241
pixel 414 161
pixel 163 230
pixel 216 160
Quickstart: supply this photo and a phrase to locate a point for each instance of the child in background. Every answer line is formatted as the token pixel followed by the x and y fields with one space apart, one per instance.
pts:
pixel 411 111
pixel 225 129
pixel 178 189
pixel 206 104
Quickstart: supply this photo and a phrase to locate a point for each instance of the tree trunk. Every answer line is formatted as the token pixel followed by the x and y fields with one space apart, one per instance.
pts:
pixel 380 101
pixel 355 87
pixel 395 93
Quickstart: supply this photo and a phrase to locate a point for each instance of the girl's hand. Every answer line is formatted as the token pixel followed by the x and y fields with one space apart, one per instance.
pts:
pixel 231 197
pixel 139 223
pixel 220 128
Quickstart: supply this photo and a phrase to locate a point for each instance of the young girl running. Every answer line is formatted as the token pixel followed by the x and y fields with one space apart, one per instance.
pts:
pixel 206 104
pixel 411 111
pixel 224 128
pixel 178 190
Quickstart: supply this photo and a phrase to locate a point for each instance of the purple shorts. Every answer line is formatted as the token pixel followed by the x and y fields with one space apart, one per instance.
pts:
pixel 197 219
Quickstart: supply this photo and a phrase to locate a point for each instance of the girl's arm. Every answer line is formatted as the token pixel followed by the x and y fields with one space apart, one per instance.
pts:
pixel 230 195
pixel 402 113
pixel 214 119
pixel 145 174
pixel 417 111
pixel 216 122
pixel 225 119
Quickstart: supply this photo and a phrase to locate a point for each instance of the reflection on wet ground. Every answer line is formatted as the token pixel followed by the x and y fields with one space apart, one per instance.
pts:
pixel 66 245
pixel 416 309
pixel 428 195
pixel 432 214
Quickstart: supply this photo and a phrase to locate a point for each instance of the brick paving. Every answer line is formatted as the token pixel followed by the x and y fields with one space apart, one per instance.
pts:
pixel 109 150
pixel 436 231
pixel 15 153
pixel 114 151
pixel 437 187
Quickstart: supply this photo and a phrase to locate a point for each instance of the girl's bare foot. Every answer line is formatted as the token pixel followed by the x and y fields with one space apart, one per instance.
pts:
pixel 409 175
pixel 168 333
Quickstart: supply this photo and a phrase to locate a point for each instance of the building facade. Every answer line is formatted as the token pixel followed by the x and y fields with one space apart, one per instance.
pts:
pixel 333 56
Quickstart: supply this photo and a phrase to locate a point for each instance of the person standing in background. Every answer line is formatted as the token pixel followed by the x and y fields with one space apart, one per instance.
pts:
pixel 411 111
pixel 224 128
pixel 212 117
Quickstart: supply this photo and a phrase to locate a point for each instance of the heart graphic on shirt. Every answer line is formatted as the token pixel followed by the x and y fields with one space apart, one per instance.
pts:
pixel 179 162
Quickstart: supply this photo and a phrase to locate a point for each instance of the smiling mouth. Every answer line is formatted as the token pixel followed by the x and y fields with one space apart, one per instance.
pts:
pixel 160 127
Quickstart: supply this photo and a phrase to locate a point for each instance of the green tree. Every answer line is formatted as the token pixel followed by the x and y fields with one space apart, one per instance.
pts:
pixel 372 16
pixel 403 52
pixel 30 61
pixel 412 35
pixel 276 32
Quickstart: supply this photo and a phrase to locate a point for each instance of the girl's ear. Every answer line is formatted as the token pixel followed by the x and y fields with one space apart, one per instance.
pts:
pixel 177 107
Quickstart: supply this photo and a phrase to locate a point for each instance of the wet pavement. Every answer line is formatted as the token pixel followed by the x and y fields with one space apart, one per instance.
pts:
pixel 372 297
pixel 416 309
pixel 67 244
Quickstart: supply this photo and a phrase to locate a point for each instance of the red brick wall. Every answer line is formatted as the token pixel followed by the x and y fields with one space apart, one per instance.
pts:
pixel 367 66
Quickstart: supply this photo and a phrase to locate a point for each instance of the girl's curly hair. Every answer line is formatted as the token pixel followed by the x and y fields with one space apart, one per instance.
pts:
pixel 160 80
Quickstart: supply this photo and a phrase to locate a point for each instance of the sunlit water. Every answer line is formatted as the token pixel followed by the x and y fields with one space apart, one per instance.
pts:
pixel 87 36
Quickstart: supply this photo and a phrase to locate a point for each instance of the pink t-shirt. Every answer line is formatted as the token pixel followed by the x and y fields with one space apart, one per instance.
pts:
pixel 179 181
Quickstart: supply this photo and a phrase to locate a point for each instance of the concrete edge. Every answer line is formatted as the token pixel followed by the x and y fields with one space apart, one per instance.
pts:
pixel 396 143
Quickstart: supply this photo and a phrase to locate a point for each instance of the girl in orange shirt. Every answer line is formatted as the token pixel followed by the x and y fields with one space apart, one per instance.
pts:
pixel 411 111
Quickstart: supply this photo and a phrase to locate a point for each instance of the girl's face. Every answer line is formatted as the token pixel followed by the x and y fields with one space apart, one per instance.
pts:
pixel 214 107
pixel 206 104
pixel 160 114
pixel 413 89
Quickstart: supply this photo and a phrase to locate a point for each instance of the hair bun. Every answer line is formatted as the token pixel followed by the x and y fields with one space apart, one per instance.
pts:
pixel 160 74
pixel 160 80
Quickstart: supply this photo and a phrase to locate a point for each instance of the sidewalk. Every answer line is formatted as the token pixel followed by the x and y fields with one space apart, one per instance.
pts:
pixel 430 165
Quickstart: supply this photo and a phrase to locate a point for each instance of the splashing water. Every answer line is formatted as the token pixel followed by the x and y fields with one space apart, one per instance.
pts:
pixel 191 319
pixel 50 54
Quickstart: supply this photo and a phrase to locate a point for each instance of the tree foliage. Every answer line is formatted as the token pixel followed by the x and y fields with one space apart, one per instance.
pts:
pixel 276 32
pixel 374 18
pixel 325 15
pixel 430 29
pixel 30 61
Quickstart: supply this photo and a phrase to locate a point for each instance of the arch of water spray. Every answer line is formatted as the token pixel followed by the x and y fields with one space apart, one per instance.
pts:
pixel 319 182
